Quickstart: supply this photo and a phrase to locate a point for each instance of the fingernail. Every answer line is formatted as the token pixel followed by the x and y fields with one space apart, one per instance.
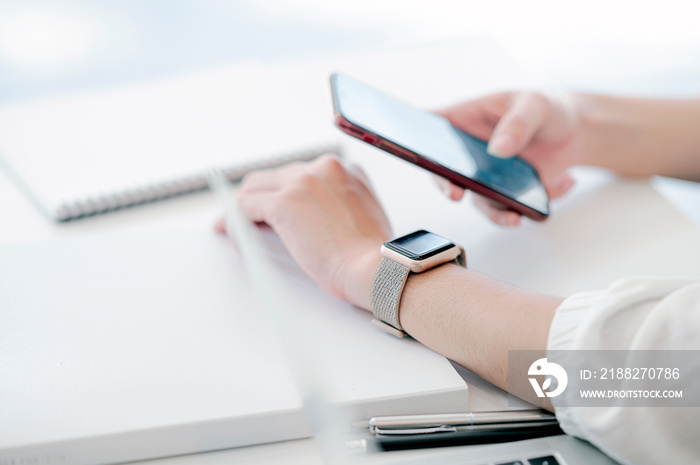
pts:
pixel 565 183
pixel 445 188
pixel 220 226
pixel 502 145
pixel 502 220
pixel 508 220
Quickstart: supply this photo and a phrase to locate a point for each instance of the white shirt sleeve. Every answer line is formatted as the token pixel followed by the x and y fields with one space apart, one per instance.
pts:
pixel 642 314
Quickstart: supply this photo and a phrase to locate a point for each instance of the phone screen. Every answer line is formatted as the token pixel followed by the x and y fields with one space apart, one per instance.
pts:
pixel 433 137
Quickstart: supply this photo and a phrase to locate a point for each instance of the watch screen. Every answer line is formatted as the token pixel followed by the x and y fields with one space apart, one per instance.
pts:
pixel 420 245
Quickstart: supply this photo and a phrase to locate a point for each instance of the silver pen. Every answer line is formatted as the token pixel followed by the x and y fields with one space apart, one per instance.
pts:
pixel 421 424
pixel 425 431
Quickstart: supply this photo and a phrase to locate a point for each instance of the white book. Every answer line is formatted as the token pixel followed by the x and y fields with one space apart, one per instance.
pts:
pixel 79 155
pixel 114 349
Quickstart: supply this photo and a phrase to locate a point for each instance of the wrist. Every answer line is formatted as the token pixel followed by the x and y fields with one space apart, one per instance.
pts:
pixel 412 253
pixel 599 129
pixel 359 275
pixel 412 314
pixel 582 107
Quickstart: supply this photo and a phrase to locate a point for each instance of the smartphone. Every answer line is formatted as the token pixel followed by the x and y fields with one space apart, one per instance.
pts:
pixel 431 142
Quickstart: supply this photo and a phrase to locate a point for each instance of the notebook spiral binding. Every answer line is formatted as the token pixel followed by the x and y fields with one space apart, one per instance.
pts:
pixel 81 208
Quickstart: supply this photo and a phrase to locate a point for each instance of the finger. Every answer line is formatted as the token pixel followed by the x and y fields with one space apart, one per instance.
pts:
pixel 257 206
pixel 262 180
pixel 561 185
pixel 460 113
pixel 518 125
pixel 270 179
pixel 357 171
pixel 443 184
pixel 220 226
pixel 450 190
pixel 497 212
pixel 478 117
pixel 456 192
pixel 334 170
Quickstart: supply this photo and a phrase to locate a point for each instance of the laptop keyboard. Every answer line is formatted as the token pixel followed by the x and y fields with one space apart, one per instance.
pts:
pixel 546 460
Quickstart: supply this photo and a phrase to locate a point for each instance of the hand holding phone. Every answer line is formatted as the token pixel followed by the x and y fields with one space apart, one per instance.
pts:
pixel 545 127
pixel 431 142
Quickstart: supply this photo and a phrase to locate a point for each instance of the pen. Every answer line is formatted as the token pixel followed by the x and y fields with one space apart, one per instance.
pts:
pixel 410 422
pixel 322 417
pixel 422 431
pixel 478 434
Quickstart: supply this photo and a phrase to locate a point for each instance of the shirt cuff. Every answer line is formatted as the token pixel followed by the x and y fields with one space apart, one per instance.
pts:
pixel 563 335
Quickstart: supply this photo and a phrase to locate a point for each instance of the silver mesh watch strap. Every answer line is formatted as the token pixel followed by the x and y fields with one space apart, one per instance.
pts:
pixel 386 291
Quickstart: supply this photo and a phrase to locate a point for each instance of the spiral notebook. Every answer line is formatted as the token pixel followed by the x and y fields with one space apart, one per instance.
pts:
pixel 80 155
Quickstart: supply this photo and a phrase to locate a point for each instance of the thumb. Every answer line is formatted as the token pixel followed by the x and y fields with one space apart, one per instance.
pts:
pixel 518 125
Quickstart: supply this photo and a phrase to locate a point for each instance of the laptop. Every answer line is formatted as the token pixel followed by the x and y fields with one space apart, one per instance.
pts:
pixel 553 450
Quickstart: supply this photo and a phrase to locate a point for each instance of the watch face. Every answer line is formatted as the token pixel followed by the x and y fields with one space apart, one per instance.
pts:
pixel 419 245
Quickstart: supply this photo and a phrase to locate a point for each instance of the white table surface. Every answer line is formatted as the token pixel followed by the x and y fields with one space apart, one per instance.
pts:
pixel 22 222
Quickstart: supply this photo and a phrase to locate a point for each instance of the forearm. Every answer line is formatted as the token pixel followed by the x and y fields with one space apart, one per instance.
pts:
pixel 642 137
pixel 475 320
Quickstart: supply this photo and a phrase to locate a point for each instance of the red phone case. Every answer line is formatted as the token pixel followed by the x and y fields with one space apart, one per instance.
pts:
pixel 425 163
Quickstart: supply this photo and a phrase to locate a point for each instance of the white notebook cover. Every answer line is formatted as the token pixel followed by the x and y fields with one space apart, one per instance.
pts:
pixel 119 349
pixel 77 155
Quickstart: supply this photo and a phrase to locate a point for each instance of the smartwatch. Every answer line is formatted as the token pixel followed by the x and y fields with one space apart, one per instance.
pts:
pixel 413 253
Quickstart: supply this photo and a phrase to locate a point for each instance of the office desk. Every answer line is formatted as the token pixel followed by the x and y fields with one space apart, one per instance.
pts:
pixel 199 211
pixel 24 223
pixel 411 200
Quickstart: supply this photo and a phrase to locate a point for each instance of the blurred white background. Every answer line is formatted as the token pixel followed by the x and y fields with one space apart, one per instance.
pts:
pixel 618 46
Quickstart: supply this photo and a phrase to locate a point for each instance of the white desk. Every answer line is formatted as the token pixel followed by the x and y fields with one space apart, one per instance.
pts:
pixel 21 222
pixel 198 212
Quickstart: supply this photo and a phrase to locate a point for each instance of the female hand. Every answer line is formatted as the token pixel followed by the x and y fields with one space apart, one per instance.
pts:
pixel 327 217
pixel 543 129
